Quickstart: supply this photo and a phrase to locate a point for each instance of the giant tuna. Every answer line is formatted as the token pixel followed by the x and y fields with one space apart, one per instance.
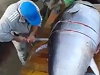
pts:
pixel 74 40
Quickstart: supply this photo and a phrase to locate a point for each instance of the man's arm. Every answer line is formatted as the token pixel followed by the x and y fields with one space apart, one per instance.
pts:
pixel 31 37
pixel 33 31
pixel 5 36
pixel 20 39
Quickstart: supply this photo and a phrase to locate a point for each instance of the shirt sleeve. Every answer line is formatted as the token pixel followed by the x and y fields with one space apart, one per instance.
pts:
pixel 6 37
pixel 5 32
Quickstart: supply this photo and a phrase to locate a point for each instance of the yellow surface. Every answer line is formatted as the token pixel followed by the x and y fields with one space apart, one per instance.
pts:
pixel 38 63
pixel 97 59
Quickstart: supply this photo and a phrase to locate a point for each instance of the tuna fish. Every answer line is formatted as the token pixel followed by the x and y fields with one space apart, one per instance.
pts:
pixel 74 40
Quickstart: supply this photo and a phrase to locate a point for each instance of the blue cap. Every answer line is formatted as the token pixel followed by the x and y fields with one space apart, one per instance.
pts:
pixel 30 12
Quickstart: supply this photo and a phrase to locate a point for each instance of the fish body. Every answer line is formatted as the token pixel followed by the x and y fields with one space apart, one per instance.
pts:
pixel 74 40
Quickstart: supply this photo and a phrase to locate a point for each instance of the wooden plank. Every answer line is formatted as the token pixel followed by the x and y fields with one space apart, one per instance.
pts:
pixel 97 59
pixel 97 6
pixel 51 19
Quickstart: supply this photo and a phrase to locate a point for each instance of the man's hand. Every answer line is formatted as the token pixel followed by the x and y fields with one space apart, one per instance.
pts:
pixel 20 39
pixel 31 39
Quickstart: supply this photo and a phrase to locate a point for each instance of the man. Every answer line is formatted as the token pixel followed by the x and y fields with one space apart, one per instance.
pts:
pixel 19 25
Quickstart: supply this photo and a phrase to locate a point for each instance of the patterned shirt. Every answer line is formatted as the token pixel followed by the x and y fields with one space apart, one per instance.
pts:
pixel 12 21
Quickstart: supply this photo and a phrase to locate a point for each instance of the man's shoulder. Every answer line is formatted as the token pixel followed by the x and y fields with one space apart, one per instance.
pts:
pixel 12 6
pixel 11 11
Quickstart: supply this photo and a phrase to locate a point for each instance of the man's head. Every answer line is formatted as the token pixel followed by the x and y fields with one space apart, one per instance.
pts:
pixel 30 12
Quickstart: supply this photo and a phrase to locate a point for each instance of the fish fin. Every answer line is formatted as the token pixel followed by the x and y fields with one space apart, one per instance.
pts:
pixel 94 67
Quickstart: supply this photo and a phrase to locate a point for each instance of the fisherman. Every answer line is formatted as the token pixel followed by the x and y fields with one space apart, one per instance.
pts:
pixel 19 24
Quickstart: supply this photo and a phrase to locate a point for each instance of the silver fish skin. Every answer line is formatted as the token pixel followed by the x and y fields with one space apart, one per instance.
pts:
pixel 74 40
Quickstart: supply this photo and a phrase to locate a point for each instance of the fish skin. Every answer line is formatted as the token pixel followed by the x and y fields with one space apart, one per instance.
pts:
pixel 72 45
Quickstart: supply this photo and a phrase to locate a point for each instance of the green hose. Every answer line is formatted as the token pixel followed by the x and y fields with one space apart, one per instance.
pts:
pixel 68 2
